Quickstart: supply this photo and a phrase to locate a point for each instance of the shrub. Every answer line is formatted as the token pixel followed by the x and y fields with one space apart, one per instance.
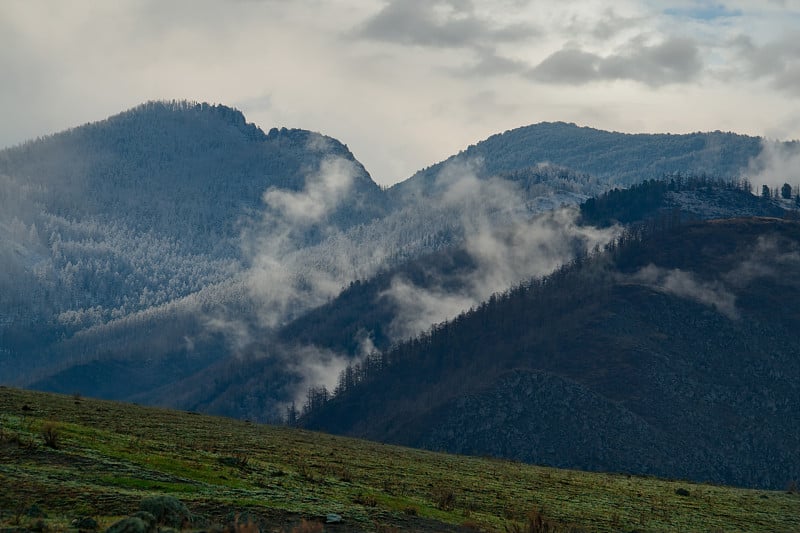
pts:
pixel 367 500
pixel 86 523
pixel 51 434
pixel 444 498
pixel 344 474
pixel 536 523
pixel 239 461
pixel 167 510
pixel 34 511
pixel 132 524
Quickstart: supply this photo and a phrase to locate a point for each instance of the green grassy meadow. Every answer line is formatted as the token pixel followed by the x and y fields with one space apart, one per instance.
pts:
pixel 108 456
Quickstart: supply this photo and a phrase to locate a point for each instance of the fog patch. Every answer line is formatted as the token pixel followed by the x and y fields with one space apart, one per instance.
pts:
pixel 323 192
pixel 504 241
pixel 776 164
pixel 768 259
pixel 684 284
pixel 317 367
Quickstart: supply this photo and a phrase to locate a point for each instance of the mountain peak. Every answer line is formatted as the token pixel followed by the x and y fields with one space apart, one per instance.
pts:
pixel 155 111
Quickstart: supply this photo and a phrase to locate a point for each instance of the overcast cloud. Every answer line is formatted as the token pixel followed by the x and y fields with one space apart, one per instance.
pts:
pixel 674 61
pixel 406 83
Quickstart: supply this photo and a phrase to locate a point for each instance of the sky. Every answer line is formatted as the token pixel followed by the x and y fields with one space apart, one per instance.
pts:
pixel 407 83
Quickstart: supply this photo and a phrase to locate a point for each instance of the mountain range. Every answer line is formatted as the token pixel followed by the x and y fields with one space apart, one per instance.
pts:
pixel 177 255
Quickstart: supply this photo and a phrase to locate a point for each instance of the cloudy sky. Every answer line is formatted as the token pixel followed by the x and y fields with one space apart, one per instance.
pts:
pixel 406 83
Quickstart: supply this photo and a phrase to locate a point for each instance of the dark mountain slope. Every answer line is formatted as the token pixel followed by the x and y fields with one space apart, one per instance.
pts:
pixel 610 158
pixel 673 355
pixel 364 315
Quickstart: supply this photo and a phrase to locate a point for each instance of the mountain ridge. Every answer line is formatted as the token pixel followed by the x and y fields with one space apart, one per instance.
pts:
pixel 603 154
pixel 178 232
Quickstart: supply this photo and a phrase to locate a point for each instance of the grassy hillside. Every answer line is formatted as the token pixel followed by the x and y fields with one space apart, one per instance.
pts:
pixel 109 456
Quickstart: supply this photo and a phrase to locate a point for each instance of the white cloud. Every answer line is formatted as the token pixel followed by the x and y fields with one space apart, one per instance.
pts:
pixel 684 284
pixel 322 193
pixel 778 163
pixel 505 250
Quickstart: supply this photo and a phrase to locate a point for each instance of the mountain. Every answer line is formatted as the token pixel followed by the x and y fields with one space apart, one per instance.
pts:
pixel 673 353
pixel 399 302
pixel 176 254
pixel 158 210
pixel 184 171
pixel 368 310
pixel 608 158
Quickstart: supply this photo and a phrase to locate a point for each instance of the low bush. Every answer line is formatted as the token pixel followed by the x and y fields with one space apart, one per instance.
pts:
pixel 444 498
pixel 51 434
pixel 167 510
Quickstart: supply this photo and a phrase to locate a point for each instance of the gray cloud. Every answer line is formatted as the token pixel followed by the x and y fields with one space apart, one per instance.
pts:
pixel 777 61
pixel 604 26
pixel 280 281
pixel 675 60
pixel 612 24
pixel 568 65
pixel 324 190
pixel 489 63
pixel 768 258
pixel 437 23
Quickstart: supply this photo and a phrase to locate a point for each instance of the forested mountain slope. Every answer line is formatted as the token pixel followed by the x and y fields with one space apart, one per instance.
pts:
pixel 145 213
pixel 366 309
pixel 181 170
pixel 169 253
pixel 404 300
pixel 673 354
pixel 609 158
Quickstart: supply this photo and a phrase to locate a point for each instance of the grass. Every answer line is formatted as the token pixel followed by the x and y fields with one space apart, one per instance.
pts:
pixel 109 456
